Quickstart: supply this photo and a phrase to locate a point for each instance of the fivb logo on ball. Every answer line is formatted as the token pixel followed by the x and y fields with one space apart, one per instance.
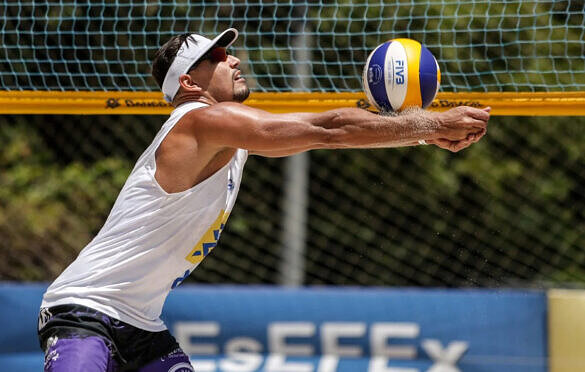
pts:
pixel 401 73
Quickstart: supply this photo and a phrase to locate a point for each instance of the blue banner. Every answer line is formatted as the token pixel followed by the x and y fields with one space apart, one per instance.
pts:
pixel 360 329
pixel 331 329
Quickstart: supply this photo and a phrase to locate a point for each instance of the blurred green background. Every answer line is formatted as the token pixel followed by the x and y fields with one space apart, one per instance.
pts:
pixel 508 211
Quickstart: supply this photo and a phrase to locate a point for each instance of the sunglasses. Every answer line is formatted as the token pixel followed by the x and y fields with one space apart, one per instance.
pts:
pixel 216 54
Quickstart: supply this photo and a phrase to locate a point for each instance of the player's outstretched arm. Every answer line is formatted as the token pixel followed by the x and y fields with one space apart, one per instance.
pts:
pixel 239 126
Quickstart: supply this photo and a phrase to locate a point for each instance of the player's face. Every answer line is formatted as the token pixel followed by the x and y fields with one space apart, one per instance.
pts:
pixel 225 80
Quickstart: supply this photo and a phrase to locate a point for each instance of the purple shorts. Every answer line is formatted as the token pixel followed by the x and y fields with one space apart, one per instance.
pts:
pixel 78 338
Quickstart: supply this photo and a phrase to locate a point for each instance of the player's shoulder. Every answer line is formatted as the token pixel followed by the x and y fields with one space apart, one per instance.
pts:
pixel 218 114
pixel 215 111
pixel 212 117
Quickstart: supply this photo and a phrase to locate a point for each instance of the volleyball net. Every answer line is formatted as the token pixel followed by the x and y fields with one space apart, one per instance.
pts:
pixel 520 57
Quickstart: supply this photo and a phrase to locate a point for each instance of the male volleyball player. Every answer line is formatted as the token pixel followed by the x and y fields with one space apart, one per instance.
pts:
pixel 102 313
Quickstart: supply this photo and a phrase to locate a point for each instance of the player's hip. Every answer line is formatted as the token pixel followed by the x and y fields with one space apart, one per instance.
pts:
pixel 130 346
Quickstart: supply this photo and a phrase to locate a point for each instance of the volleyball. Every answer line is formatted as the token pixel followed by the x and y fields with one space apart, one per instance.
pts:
pixel 401 73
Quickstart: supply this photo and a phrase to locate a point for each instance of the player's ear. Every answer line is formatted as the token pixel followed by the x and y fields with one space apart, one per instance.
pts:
pixel 188 84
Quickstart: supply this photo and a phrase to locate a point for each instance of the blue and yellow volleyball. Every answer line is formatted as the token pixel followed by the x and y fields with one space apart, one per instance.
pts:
pixel 401 73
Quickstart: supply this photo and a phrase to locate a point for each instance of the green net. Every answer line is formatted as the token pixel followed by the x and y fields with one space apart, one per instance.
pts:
pixel 481 45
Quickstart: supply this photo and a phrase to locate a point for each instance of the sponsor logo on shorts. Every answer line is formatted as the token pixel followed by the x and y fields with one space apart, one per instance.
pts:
pixel 44 317
pixel 51 354
pixel 182 367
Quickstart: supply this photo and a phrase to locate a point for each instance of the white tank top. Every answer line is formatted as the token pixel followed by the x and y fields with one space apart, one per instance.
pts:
pixel 151 241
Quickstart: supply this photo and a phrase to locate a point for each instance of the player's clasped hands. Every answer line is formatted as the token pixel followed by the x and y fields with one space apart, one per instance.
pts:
pixel 460 127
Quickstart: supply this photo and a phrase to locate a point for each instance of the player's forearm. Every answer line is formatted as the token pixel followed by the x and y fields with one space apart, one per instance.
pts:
pixel 356 128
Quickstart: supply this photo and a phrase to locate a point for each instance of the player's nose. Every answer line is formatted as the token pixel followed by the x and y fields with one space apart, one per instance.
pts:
pixel 233 61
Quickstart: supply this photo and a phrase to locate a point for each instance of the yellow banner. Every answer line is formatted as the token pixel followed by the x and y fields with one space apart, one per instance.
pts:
pixel 151 103
pixel 566 330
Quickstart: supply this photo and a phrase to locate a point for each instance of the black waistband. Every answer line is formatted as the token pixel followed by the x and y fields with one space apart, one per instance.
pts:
pixel 131 346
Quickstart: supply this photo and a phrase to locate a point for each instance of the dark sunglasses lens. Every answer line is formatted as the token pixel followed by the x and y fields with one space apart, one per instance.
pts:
pixel 218 54
pixel 214 55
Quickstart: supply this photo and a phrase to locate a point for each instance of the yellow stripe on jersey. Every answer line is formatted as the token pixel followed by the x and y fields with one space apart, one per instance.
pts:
pixel 209 240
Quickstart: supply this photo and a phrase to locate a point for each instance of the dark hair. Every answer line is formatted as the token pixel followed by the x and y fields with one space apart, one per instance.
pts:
pixel 164 57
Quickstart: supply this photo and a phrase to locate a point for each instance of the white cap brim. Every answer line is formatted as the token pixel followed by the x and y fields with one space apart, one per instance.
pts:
pixel 190 52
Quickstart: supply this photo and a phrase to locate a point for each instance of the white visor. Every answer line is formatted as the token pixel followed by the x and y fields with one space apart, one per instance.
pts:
pixel 190 52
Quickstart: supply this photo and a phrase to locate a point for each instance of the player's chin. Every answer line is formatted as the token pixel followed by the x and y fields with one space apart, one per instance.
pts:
pixel 241 93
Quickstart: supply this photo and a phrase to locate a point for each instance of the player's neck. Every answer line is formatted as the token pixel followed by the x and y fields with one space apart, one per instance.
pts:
pixel 203 97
